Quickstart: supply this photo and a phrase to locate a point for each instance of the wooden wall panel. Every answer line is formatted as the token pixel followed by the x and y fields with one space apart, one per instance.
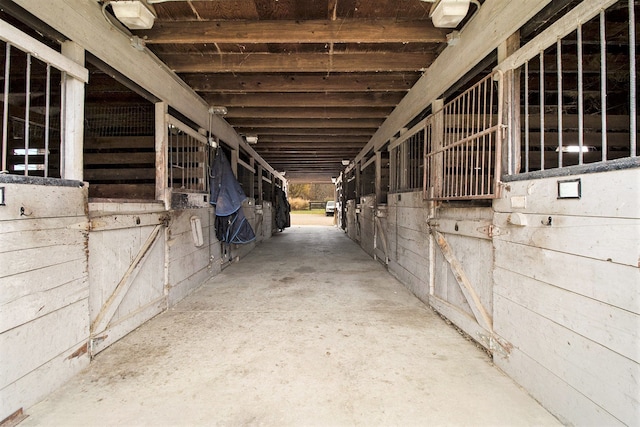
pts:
pixel 566 294
pixel 408 242
pixel 367 218
pixel 190 265
pixel 43 291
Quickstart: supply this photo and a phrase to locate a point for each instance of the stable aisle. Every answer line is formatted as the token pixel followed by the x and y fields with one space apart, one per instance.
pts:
pixel 307 330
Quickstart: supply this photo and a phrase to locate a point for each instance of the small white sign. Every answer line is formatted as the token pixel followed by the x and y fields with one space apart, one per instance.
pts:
pixel 569 189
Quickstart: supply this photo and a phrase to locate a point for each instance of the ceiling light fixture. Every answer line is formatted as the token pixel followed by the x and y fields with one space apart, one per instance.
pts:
pixel 218 110
pixel 448 13
pixel 345 163
pixel 135 14
pixel 251 139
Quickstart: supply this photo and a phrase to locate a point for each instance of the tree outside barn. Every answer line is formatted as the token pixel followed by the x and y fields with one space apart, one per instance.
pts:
pixel 301 194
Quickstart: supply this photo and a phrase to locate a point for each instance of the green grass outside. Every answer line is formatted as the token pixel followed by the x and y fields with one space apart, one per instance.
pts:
pixel 309 212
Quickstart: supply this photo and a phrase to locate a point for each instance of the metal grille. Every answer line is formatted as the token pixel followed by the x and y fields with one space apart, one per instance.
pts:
pixel 407 161
pixel 188 154
pixel 463 147
pixel 119 120
pixel 578 89
pixel 30 114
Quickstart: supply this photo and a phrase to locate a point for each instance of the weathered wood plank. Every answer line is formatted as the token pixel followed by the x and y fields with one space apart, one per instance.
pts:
pixel 37 258
pixel 33 344
pixel 282 31
pixel 573 358
pixel 123 191
pixel 126 221
pixel 611 327
pixel 560 398
pixel 31 239
pixel 611 239
pixel 119 158
pixel 301 82
pixel 117 174
pixel 311 62
pixel 37 384
pixel 41 280
pixel 25 309
pixel 584 276
pixel 26 201
pixel 540 196
pixel 110 143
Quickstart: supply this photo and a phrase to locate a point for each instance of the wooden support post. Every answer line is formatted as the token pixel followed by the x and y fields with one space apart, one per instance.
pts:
pixel 71 164
pixel 511 108
pixel 437 139
pixel 162 153
pixel 260 191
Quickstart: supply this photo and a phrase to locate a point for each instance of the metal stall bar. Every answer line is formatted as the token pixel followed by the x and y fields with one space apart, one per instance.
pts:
pixel 541 110
pixel 5 112
pixel 580 96
pixel 47 112
pixel 27 108
pixel 633 130
pixel 559 76
pixel 603 85
pixel 526 116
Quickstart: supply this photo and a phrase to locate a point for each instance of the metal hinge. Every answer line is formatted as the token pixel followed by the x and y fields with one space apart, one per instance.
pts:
pixel 490 230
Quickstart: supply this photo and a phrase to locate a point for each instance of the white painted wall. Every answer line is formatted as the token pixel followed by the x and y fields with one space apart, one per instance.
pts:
pixel 44 291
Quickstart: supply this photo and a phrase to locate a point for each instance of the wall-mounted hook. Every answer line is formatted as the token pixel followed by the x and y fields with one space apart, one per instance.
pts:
pixel 547 222
pixel 23 212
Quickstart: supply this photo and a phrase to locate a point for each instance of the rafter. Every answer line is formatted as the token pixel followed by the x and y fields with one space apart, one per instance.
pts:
pixel 310 62
pixel 307 99
pixel 317 31
pixel 309 112
pixel 301 82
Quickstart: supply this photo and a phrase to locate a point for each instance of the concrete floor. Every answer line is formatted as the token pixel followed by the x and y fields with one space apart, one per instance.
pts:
pixel 307 330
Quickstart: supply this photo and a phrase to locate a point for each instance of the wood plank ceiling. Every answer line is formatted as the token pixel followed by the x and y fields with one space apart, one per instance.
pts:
pixel 312 79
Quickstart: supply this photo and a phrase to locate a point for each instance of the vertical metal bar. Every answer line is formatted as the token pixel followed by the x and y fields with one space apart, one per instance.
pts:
pixel 580 97
pixel 170 160
pixel 5 112
pixel 559 73
pixel 633 130
pixel 603 83
pixel 526 116
pixel 27 117
pixel 542 110
pixel 63 122
pixel 47 111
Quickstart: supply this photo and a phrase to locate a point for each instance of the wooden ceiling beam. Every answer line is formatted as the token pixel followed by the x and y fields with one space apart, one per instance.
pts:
pixel 309 112
pixel 307 99
pixel 301 82
pixel 310 62
pixel 283 31
pixel 306 131
pixel 311 138
pixel 311 124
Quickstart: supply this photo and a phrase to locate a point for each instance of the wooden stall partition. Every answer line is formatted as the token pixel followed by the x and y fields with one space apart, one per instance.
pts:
pixel 44 288
pixel 566 294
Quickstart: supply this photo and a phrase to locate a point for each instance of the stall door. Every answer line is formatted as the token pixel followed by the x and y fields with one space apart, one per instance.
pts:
pixel 462 282
pixel 126 273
